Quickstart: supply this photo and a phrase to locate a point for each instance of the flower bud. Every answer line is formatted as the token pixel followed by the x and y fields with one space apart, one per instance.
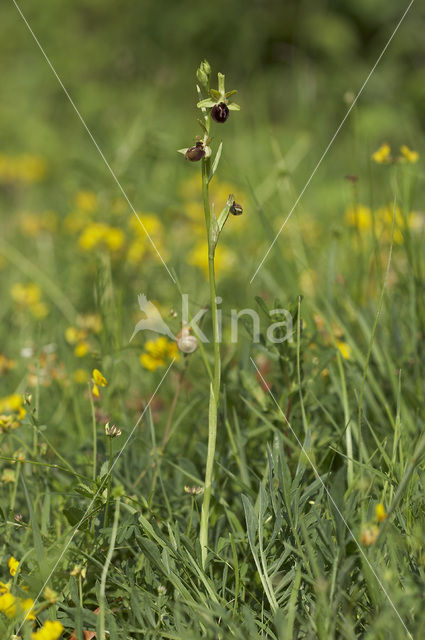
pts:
pixel 220 112
pixel 236 209
pixel 112 431
pixel 196 153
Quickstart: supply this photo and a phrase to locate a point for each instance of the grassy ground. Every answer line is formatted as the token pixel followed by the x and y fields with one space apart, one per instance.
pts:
pixel 317 518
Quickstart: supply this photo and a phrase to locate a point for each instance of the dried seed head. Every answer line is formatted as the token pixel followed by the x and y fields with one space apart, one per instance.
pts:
pixel 196 153
pixel 193 491
pixel 220 112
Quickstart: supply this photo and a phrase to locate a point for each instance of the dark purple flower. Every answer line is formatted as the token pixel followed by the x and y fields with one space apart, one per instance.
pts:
pixel 220 112
pixel 196 153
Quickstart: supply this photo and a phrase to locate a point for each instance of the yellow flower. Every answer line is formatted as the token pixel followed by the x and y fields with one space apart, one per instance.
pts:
pixel 11 410
pixel 99 234
pixel 86 201
pixel 92 236
pixel 27 605
pixel 141 246
pixel 5 587
pixel 114 238
pixel 98 381
pixel 74 335
pixel 13 565
pixel 24 168
pixel 383 154
pixel 29 297
pixel 360 217
pixel 224 258
pixel 380 512
pixel 8 604
pixel 49 631
pixel 409 155
pixel 158 353
pixel 80 376
pixel 82 349
pixel 344 349
pixel 31 168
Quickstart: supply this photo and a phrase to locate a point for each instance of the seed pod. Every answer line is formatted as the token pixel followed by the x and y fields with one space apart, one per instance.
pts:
pixel 196 153
pixel 236 209
pixel 220 112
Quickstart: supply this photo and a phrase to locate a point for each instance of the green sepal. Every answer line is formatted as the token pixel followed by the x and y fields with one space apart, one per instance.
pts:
pixel 233 106
pixel 205 104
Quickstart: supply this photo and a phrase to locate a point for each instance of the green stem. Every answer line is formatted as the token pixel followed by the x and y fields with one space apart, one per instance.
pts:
pixel 215 385
pixel 108 490
pixel 102 590
pixel 93 416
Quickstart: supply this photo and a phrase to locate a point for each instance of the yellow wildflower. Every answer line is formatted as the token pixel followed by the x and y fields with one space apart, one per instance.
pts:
pixel 23 168
pixel 12 405
pixel 82 349
pixel 27 607
pixel 139 247
pixel 49 631
pixel 13 565
pixel 98 381
pixel 114 238
pixel 344 349
pixel 359 217
pixel 408 155
pixel 380 512
pixel 383 154
pixel 74 335
pixel 29 297
pixel 224 258
pixel 86 201
pixel 31 168
pixel 158 353
pixel 5 587
pixel 8 604
pixel 80 376
pixel 92 236
pixel 100 234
